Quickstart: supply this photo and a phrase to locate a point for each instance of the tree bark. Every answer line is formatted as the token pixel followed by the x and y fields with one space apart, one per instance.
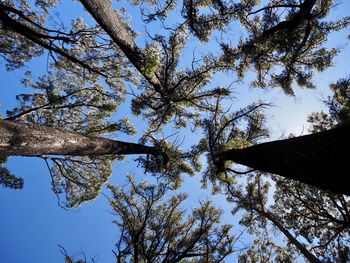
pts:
pixel 306 253
pixel 320 159
pixel 104 14
pixel 34 140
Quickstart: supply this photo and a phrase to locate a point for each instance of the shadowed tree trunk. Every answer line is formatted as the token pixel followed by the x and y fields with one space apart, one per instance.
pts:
pixel 320 159
pixel 303 15
pixel 34 140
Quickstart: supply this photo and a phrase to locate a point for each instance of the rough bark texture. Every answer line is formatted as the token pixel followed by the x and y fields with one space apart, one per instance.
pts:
pixel 306 253
pixel 34 140
pixel 104 14
pixel 319 159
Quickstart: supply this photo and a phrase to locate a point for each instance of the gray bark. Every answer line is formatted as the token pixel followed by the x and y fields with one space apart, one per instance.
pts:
pixel 34 140
pixel 104 14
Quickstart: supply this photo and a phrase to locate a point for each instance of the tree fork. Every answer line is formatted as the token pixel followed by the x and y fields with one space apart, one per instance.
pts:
pixel 104 14
pixel 34 140
pixel 320 159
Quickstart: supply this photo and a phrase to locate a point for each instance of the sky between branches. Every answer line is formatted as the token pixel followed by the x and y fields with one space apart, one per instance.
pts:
pixel 33 224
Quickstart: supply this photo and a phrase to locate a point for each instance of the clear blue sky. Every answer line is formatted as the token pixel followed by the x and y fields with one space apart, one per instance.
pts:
pixel 31 222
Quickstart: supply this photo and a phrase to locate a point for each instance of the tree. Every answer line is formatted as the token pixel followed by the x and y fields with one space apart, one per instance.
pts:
pixel 283 33
pixel 306 158
pixel 320 217
pixel 80 178
pixel 317 159
pixel 92 69
pixel 156 229
pixel 305 20
pixel 34 140
pixel 314 222
pixel 259 218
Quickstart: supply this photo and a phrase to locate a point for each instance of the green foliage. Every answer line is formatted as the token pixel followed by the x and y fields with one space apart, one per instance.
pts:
pixel 284 48
pixel 319 217
pixel 7 179
pixel 184 95
pixel 169 165
pixel 265 250
pixel 76 180
pixel 152 60
pixel 16 49
pixel 70 101
pixel 281 41
pixel 320 121
pixel 338 107
pixel 225 131
pixel 204 17
pixel 160 9
pixel 154 228
pixel 339 104
pixel 252 198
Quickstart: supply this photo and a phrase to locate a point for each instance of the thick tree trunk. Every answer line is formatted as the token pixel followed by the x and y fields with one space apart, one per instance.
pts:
pixel 34 140
pixel 319 159
pixel 104 14
pixel 306 253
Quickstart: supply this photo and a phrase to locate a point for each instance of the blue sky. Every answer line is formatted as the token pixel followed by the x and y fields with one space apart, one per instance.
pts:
pixel 31 222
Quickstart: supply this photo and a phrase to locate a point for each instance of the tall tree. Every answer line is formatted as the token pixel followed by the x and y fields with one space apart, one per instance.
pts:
pixel 307 158
pixel 87 166
pixel 243 187
pixel 317 159
pixel 79 178
pixel 282 41
pixel 34 140
pixel 285 34
pixel 258 218
pixel 156 229
pixel 71 106
pixel 320 217
pixel 312 221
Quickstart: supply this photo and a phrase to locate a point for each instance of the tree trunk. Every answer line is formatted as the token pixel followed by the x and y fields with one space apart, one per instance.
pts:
pixel 34 140
pixel 306 253
pixel 320 159
pixel 104 14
